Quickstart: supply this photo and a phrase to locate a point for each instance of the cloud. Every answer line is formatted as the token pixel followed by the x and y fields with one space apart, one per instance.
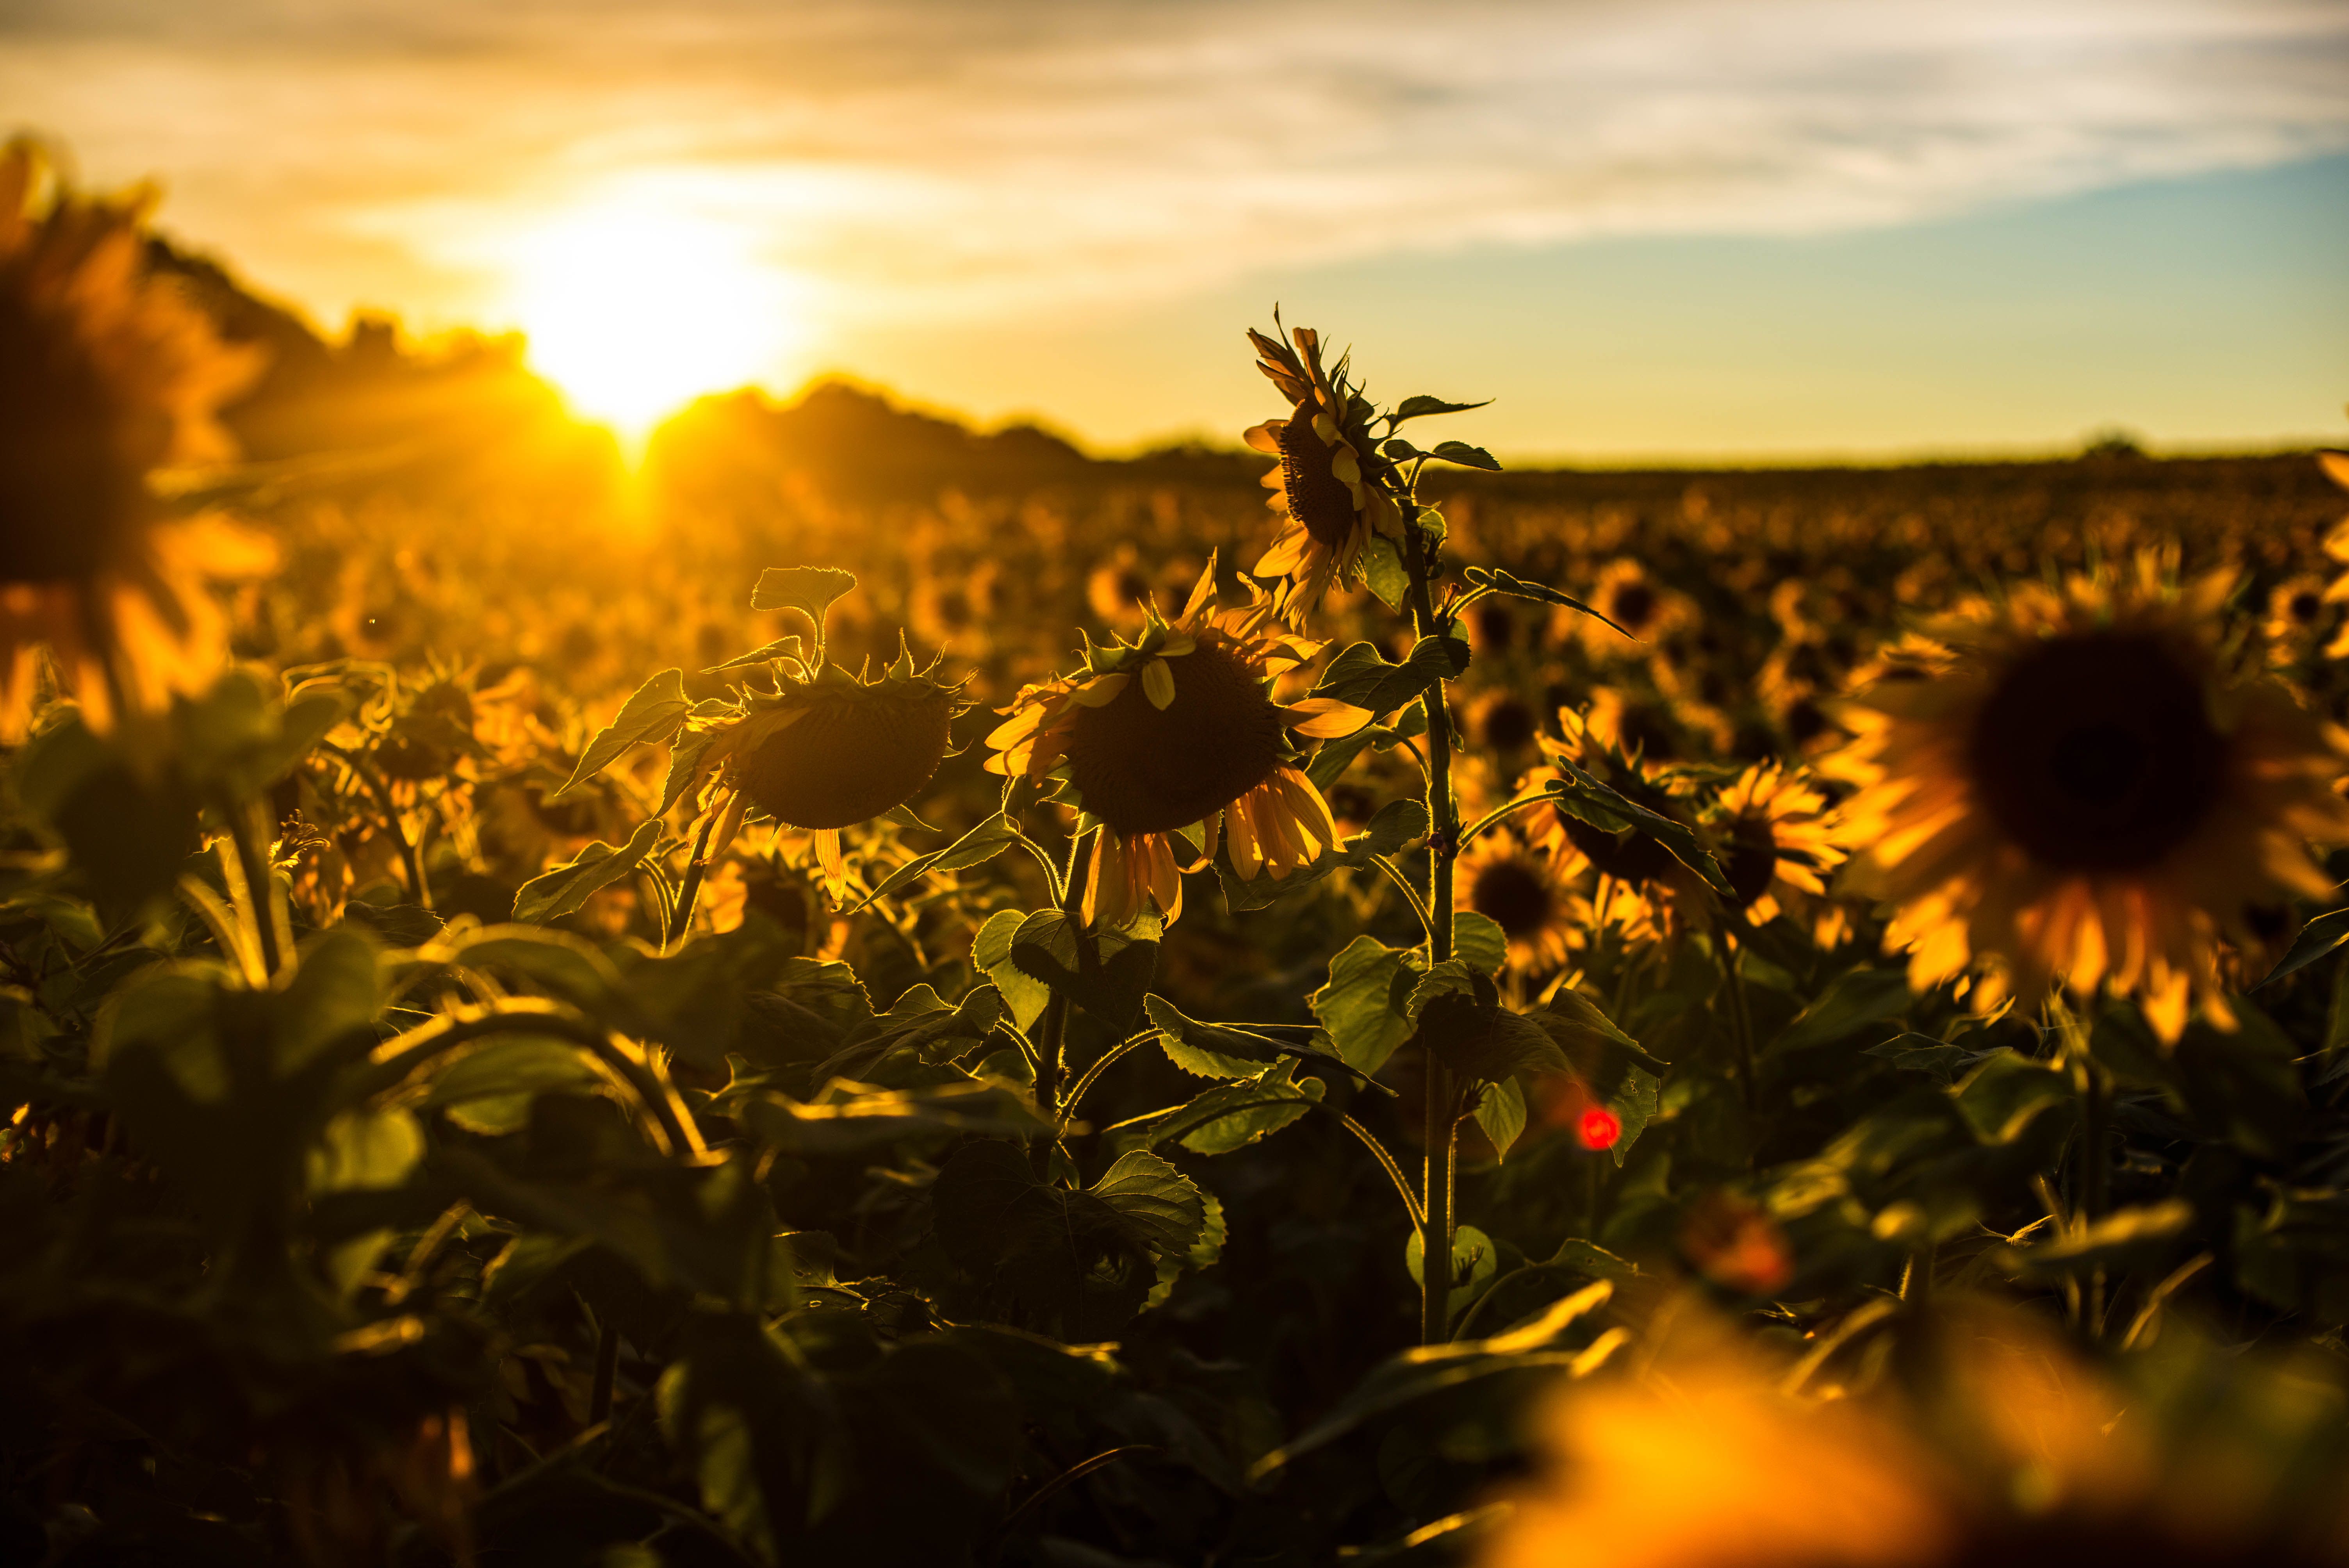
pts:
pixel 951 162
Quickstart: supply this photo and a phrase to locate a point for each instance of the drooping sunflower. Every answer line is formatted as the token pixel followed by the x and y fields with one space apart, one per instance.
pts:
pixel 1518 889
pixel 2074 790
pixel 1324 487
pixel 1641 887
pixel 108 372
pixel 1776 839
pixel 826 750
pixel 1175 729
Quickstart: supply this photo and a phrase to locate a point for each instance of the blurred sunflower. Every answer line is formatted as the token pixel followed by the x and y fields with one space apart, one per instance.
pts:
pixel 1174 729
pixel 2071 788
pixel 1322 488
pixel 108 374
pixel 824 750
pixel 1626 595
pixel 2295 620
pixel 1641 885
pixel 1776 837
pixel 1518 890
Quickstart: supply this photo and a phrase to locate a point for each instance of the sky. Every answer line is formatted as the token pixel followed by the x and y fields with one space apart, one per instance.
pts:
pixel 1694 230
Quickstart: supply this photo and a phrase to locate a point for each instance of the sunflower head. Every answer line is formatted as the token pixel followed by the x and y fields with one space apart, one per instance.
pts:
pixel 1775 839
pixel 109 371
pixel 1329 483
pixel 1176 728
pixel 1518 889
pixel 828 748
pixel 2074 787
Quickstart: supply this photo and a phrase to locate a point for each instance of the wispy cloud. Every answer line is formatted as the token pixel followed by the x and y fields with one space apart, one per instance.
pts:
pixel 949 161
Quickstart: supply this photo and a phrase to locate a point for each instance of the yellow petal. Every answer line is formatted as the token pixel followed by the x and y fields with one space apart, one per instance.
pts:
pixel 1266 438
pixel 1324 717
pixel 1248 856
pixel 1158 684
pixel 1103 691
pixel 1342 464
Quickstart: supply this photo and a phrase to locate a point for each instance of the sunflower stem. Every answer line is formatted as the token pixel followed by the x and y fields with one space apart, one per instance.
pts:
pixel 1052 1039
pixel 270 930
pixel 1440 1113
pixel 690 893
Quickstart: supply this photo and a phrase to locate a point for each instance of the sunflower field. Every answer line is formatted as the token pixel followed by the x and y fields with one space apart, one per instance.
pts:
pixel 858 992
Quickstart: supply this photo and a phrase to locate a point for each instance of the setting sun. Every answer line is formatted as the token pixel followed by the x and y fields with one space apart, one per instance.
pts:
pixel 635 306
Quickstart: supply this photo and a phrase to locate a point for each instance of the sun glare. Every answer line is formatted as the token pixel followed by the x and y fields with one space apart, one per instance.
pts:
pixel 634 307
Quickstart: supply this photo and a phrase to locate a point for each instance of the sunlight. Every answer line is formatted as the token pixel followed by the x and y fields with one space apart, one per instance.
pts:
pixel 635 306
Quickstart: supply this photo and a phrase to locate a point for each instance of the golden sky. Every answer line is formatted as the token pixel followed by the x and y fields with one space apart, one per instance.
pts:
pixel 1664 227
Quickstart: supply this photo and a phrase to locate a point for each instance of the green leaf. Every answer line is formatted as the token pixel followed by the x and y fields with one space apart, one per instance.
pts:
pixel 1857 1000
pixel 1501 1112
pixel 1466 455
pixel 1587 800
pixel 759 1429
pixel 781 648
pixel 1157 1203
pixel 2131 1237
pixel 563 890
pixel 1474 1260
pixel 1106 972
pixel 1466 1029
pixel 372 1148
pixel 1366 1004
pixel 1534 1353
pixel 991 955
pixel 656 711
pixel 2318 938
pixel 2007 1092
pixel 1225 1050
pixel 1359 675
pixel 1479 940
pixel 810 590
pixel 127 831
pixel 849 1118
pixel 1233 1115
pixel 976 848
pixel 1420 405
pixel 1384 570
pixel 1500 582
pixel 489 1090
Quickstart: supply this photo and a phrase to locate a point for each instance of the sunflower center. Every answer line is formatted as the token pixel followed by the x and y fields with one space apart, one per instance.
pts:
pixel 1513 896
pixel 1634 603
pixel 2095 752
pixel 1143 768
pixel 1317 498
pixel 1508 724
pixel 1751 862
pixel 850 758
pixel 69 493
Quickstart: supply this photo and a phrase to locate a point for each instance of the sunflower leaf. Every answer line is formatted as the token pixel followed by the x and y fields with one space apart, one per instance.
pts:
pixel 1420 405
pixel 1366 1005
pixel 2319 937
pixel 1360 676
pixel 564 889
pixel 1588 801
pixel 1228 1050
pixel 810 590
pixel 1383 569
pixel 655 712
pixel 782 647
pixel 976 848
pixel 1501 1112
pixel 1466 455
pixel 1499 582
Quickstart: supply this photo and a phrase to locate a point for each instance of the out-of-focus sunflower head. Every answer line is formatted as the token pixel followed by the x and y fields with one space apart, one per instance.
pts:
pixel 1121 590
pixel 1518 889
pixel 1775 838
pixel 1634 601
pixel 2069 785
pixel 2001 1445
pixel 2336 545
pixel 2299 619
pixel 109 374
pixel 1503 723
pixel 1172 730
pixel 1327 484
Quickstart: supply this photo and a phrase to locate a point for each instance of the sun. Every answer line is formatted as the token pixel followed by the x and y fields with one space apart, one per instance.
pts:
pixel 634 306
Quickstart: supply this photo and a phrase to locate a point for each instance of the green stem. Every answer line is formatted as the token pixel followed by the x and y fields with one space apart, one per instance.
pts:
pixel 268 921
pixel 1387 1163
pixel 1440 1113
pixel 1741 1016
pixel 1100 1065
pixel 1395 874
pixel 1052 1037
pixel 691 891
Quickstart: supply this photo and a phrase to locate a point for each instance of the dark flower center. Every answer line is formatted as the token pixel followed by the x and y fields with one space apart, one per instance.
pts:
pixel 1318 499
pixel 1634 603
pixel 1146 769
pixel 1496 629
pixel 2095 752
pixel 1513 896
pixel 70 496
pixel 2304 605
pixel 1751 862
pixel 851 759
pixel 1508 725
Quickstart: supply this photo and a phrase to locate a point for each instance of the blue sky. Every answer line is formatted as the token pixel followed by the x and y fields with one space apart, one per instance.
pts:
pixel 1651 228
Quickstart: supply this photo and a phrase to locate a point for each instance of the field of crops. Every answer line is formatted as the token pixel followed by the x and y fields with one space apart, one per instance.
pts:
pixel 856 992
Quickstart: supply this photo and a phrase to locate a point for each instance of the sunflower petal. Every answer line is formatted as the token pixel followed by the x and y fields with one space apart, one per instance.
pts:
pixel 1101 690
pixel 1158 684
pixel 1325 717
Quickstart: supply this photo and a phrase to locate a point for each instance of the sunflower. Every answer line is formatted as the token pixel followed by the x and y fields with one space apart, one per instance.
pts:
pixel 826 750
pixel 107 373
pixel 1518 890
pixel 1175 729
pixel 1626 595
pixel 2295 620
pixel 1776 837
pixel 2072 790
pixel 1324 485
